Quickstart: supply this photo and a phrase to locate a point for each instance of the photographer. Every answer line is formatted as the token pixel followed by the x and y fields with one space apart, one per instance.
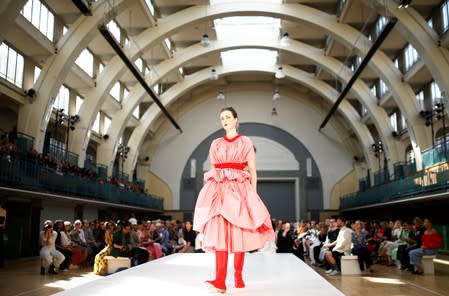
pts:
pixel 50 257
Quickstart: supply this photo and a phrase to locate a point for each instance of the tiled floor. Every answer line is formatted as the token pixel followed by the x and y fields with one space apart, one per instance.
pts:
pixel 21 277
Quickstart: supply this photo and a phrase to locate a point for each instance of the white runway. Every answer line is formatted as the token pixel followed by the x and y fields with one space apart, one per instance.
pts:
pixel 184 274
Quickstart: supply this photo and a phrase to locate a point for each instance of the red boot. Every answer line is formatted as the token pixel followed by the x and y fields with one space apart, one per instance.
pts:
pixel 239 259
pixel 221 268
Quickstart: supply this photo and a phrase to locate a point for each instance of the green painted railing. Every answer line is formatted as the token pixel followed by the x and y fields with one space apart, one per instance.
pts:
pixel 30 175
pixel 423 182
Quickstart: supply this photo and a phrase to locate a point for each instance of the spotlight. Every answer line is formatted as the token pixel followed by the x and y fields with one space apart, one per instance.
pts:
pixel 279 73
pixel 220 96
pixel 205 42
pixel 213 75
pixel 276 96
pixel 285 40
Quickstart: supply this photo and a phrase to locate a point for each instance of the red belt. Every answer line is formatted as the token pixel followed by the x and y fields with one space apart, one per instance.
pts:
pixel 230 165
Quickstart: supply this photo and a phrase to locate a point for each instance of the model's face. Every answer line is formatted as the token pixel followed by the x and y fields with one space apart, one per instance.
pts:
pixel 228 122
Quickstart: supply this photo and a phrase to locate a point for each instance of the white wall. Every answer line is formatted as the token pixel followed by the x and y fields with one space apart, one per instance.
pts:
pixel 295 116
pixel 52 210
pixel 56 211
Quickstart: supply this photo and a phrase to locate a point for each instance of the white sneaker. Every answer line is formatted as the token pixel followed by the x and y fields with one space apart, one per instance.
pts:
pixel 334 272
pixel 329 271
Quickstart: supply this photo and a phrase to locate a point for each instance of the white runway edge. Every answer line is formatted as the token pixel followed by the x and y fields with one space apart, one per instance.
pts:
pixel 184 274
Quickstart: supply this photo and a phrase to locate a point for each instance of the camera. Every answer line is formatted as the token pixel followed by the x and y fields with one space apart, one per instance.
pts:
pixel 48 226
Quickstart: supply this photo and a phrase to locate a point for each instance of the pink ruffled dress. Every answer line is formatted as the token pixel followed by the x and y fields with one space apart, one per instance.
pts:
pixel 228 212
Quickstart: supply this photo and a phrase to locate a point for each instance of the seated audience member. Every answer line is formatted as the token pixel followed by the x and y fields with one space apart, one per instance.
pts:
pixel 121 242
pixel 359 246
pixel 189 236
pixel 63 245
pixel 312 240
pixel 299 236
pixel 90 238
pixel 343 245
pixel 80 249
pixel 431 242
pixel 146 240
pixel 376 237
pixel 100 263
pixel 285 239
pixel 397 253
pixel 141 255
pixel 388 246
pixel 50 257
pixel 414 241
pixel 329 243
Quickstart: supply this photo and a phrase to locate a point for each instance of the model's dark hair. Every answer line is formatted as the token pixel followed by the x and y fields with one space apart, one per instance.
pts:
pixel 230 109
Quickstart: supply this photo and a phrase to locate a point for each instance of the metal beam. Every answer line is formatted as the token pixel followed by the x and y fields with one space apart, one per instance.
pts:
pixel 388 27
pixel 118 49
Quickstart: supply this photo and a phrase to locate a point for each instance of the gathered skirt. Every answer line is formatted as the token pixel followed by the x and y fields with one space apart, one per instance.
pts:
pixel 230 215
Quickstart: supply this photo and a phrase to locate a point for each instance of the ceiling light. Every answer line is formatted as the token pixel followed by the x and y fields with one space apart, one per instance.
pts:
pixel 276 96
pixel 213 75
pixel 285 40
pixel 220 96
pixel 279 73
pixel 274 112
pixel 404 3
pixel 205 42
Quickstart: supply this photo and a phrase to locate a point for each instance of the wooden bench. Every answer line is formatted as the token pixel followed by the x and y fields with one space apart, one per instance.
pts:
pixel 428 265
pixel 116 263
pixel 350 265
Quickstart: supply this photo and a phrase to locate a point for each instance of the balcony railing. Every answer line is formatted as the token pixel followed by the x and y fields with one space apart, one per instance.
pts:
pixel 420 183
pixel 31 175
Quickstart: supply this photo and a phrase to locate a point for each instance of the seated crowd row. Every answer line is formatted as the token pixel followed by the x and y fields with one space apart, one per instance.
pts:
pixel 88 243
pixel 400 244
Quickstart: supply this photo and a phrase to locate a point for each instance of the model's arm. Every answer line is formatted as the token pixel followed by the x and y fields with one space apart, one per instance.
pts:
pixel 253 173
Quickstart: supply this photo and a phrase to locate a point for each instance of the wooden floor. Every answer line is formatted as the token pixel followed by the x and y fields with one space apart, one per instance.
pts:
pixel 21 277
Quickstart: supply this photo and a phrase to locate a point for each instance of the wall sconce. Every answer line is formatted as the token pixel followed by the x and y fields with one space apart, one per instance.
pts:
pixel 274 112
pixel 205 42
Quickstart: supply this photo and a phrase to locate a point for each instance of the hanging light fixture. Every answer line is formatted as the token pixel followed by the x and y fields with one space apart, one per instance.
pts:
pixel 220 96
pixel 276 95
pixel 285 40
pixel 404 3
pixel 274 112
pixel 279 73
pixel 213 74
pixel 205 42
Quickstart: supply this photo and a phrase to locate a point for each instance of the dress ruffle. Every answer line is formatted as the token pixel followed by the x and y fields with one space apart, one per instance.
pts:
pixel 221 175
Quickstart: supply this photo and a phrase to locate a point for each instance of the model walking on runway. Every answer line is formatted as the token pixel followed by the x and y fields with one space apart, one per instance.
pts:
pixel 229 212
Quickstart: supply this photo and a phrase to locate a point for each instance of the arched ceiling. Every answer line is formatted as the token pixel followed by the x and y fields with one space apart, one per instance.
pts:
pixel 326 36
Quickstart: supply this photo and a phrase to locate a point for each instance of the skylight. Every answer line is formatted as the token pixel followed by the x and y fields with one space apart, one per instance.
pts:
pixel 247 28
